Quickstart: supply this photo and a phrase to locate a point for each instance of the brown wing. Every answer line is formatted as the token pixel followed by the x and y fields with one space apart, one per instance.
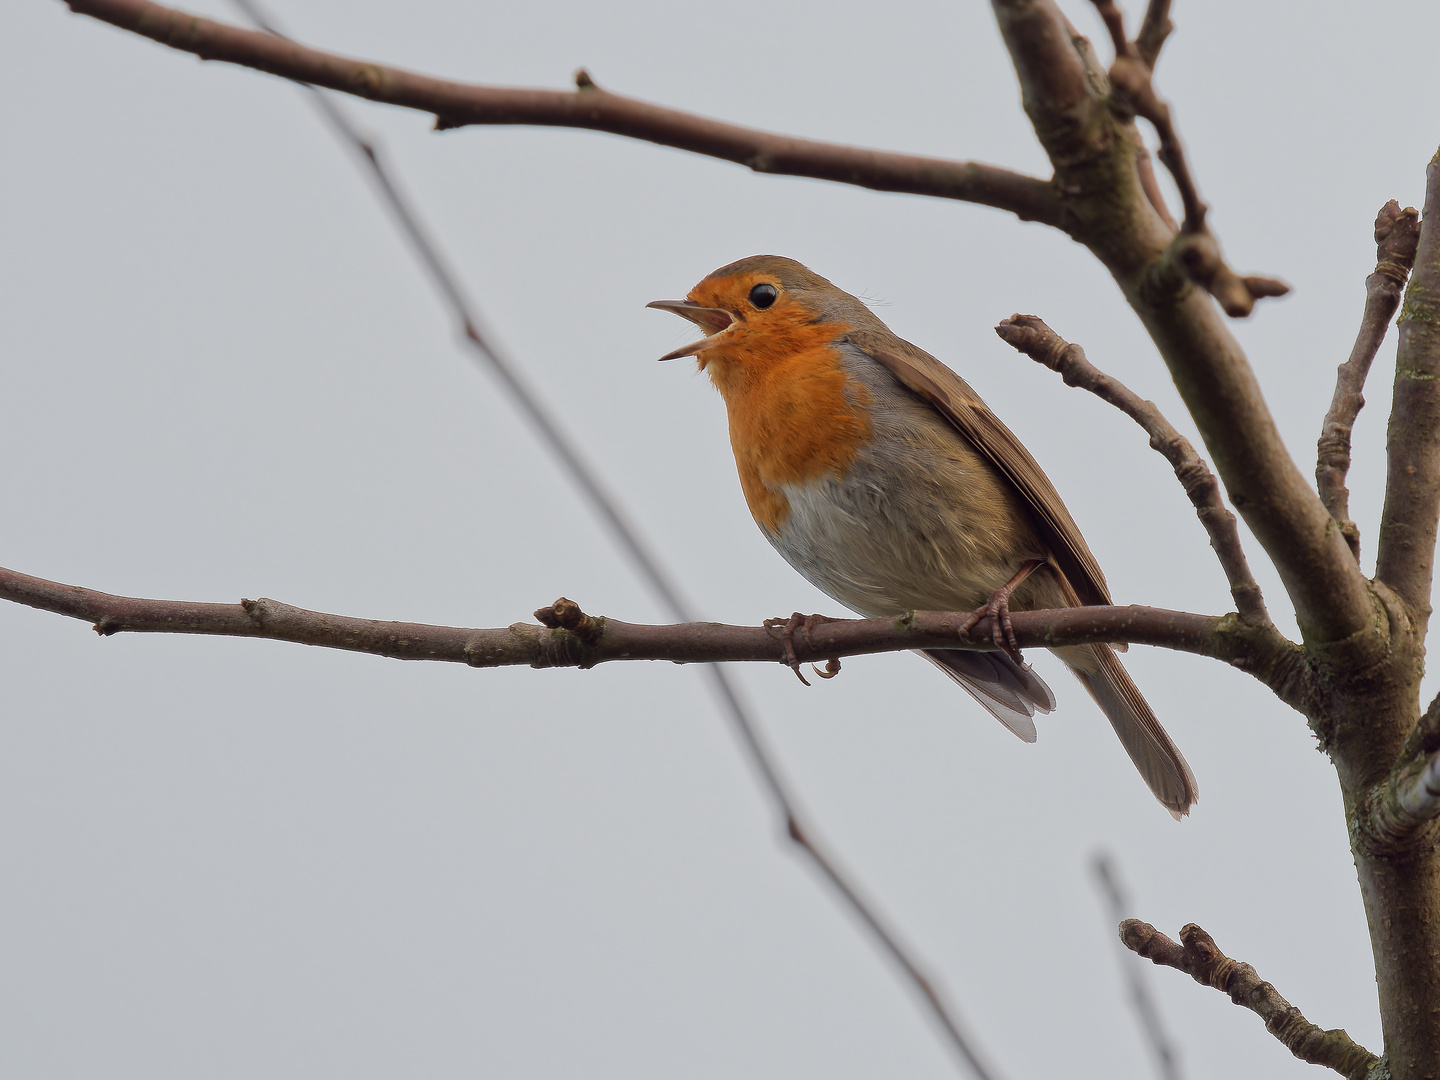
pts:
pixel 957 402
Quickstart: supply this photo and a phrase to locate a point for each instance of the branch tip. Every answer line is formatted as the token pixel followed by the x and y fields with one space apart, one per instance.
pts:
pixel 1197 955
pixel 1194 249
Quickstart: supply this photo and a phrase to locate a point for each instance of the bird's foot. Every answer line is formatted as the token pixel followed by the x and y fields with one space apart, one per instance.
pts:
pixel 997 609
pixel 803 623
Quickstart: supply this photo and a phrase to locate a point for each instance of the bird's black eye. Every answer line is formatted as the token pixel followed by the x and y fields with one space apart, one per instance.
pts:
pixel 763 295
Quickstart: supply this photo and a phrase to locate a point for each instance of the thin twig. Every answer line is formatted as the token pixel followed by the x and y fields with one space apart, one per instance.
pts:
pixel 762 758
pixel 457 104
pixel 1397 232
pixel 1167 1061
pixel 1149 184
pixel 1194 252
pixel 1198 956
pixel 1029 335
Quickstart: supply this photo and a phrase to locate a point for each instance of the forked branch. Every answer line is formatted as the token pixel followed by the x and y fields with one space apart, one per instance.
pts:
pixel 1396 234
pixel 456 104
pixel 1091 146
pixel 1153 31
pixel 1029 335
pixel 1195 251
pixel 1198 956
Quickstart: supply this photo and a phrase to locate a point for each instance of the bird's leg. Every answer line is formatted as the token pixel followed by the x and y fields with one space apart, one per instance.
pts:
pixel 803 623
pixel 997 608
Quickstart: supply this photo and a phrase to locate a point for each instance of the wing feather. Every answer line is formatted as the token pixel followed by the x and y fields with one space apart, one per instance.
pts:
pixel 954 399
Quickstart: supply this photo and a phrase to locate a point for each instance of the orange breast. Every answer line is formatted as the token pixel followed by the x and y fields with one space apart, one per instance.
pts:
pixel 795 414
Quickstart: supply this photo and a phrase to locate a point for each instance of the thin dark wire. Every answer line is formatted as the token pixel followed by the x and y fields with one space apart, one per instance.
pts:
pixel 1167 1061
pixel 644 560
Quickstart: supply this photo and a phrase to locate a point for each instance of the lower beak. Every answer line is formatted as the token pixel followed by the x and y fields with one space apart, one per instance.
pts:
pixel 711 320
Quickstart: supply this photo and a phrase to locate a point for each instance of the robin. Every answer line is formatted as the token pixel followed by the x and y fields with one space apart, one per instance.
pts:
pixel 881 476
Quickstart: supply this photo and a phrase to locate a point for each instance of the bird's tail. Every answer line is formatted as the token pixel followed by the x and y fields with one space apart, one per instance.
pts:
pixel 1150 748
pixel 1010 693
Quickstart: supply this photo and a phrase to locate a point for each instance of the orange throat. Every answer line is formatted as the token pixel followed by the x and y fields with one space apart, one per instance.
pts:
pixel 795 412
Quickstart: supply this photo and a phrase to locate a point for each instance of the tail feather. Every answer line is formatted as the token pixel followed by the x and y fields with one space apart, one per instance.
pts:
pixel 1010 693
pixel 1149 746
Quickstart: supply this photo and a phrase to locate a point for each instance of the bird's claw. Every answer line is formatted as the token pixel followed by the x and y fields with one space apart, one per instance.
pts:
pixel 1002 631
pixel 803 623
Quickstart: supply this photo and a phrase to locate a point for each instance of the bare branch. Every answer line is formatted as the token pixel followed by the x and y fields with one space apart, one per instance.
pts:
pixel 1261 651
pixel 456 104
pixel 1106 209
pixel 1396 234
pixel 1149 184
pixel 1195 250
pixel 1153 32
pixel 572 639
pixel 1406 557
pixel 1029 334
pixel 1055 87
pixel 1202 960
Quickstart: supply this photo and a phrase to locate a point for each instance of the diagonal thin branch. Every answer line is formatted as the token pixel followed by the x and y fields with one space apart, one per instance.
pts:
pixel 1396 234
pixel 456 104
pixel 1167 1060
pixel 762 758
pixel 1198 956
pixel 1406 551
pixel 1029 335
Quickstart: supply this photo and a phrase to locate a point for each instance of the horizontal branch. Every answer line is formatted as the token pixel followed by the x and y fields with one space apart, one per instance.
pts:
pixel 573 639
pixel 1198 956
pixel 458 104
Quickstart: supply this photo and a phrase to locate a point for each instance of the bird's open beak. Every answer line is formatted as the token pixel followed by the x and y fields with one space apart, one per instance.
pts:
pixel 711 320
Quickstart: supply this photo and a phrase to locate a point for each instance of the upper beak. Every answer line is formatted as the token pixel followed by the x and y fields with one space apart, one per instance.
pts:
pixel 711 320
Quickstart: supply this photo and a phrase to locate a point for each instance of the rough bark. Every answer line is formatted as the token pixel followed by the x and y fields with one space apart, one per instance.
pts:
pixel 1395 851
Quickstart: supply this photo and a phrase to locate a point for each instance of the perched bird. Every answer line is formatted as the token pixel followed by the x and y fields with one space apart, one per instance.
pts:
pixel 881 476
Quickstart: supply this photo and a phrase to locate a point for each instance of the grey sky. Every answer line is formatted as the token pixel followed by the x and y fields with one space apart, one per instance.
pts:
pixel 225 377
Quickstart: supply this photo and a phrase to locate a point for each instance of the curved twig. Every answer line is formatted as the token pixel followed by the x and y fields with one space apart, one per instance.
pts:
pixel 456 104
pixel 1199 957
pixel 1029 335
